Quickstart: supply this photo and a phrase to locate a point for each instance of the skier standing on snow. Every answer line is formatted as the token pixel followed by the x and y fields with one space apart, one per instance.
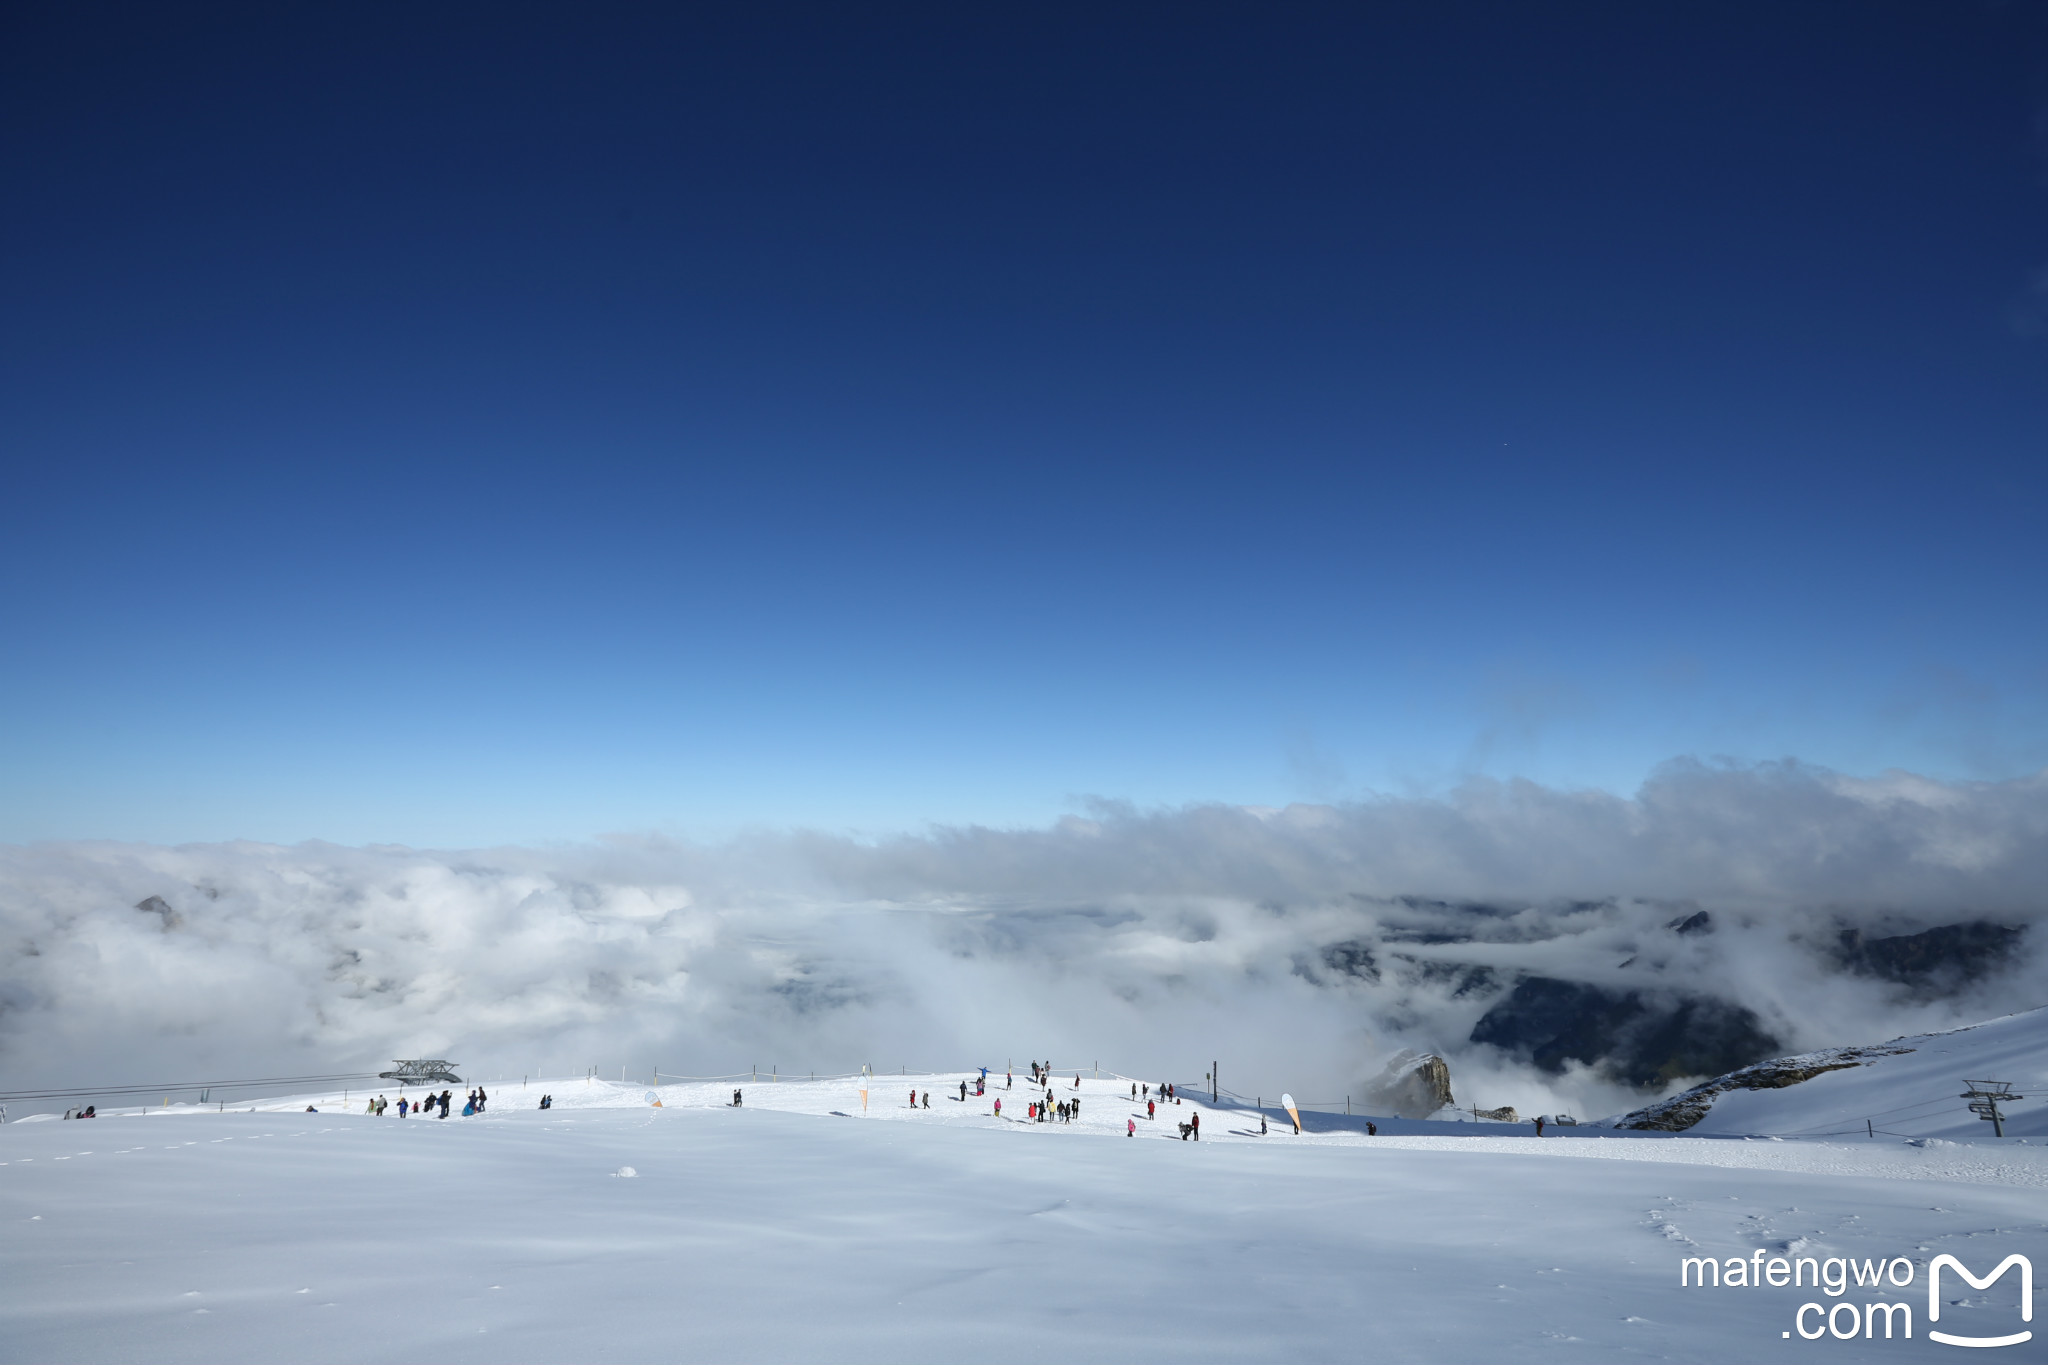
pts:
pixel 963 1092
pixel 1130 1127
pixel 480 1098
pixel 1148 1110
pixel 1195 1123
pixel 999 1106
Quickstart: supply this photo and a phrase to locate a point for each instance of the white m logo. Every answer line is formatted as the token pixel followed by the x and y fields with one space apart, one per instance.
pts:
pixel 2026 1297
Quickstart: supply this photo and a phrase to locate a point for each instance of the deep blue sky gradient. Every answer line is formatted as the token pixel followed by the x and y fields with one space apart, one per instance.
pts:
pixel 517 423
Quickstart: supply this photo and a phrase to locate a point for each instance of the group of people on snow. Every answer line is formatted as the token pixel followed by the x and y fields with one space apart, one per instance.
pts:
pixel 1041 1075
pixel 442 1100
pixel 1050 1110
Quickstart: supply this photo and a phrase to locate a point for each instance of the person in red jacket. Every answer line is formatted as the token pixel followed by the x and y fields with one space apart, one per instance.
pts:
pixel 1148 1110
pixel 1195 1122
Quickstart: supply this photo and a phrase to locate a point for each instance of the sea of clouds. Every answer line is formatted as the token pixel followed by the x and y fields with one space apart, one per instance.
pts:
pixel 1150 942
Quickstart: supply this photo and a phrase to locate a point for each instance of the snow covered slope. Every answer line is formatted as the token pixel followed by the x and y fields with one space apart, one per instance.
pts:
pixel 610 1230
pixel 1909 1087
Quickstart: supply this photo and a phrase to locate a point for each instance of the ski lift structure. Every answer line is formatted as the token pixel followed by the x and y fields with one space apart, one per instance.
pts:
pixel 1985 1097
pixel 422 1071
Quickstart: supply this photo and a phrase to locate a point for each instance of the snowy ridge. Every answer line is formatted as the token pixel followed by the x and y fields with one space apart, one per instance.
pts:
pixel 1682 1111
pixel 1909 1087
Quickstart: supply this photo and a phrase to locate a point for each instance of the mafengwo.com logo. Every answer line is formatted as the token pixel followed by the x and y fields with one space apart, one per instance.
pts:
pixel 1862 1315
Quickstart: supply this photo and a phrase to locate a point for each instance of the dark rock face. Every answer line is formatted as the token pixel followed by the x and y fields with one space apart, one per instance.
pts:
pixel 1935 960
pixel 1635 1037
pixel 1698 923
pixel 1352 959
pixel 157 905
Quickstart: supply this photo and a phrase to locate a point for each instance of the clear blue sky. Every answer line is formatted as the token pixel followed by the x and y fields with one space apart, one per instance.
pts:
pixel 517 423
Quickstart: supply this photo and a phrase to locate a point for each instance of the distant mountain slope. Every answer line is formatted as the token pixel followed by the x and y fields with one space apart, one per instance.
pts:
pixel 1909 1087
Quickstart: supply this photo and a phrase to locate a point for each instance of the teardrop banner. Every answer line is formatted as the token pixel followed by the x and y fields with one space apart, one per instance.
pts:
pixel 1287 1103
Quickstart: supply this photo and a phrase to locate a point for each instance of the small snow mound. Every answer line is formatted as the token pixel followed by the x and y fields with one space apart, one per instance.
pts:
pixel 1930 1142
pixel 624 1173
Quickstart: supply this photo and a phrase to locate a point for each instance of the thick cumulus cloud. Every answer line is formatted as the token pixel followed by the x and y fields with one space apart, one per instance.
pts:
pixel 1298 947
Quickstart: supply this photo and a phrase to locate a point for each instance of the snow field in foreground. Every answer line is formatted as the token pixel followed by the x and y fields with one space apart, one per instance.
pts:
pixel 778 1232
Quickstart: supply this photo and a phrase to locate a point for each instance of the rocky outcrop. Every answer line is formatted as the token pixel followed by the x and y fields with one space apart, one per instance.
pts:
pixel 1505 1114
pixel 1413 1086
pixel 157 905
pixel 1636 1037
pixel 1682 1111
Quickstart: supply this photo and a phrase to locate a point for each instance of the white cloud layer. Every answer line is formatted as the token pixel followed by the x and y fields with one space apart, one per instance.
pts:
pixel 1152 942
